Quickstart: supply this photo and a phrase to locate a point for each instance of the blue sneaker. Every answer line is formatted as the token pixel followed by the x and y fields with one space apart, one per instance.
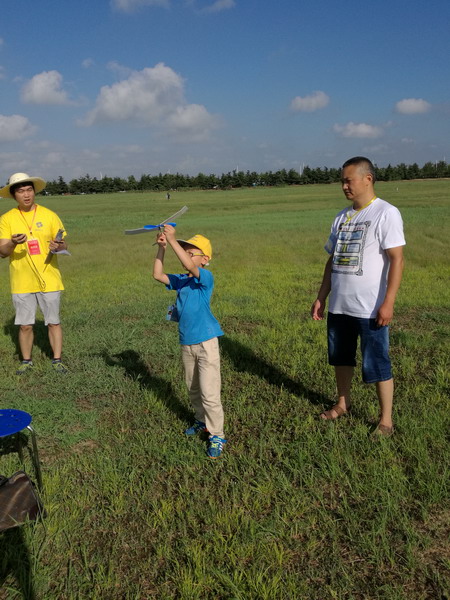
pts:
pixel 215 447
pixel 197 427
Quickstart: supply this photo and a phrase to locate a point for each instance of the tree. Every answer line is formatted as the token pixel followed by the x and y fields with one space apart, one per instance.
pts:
pixel 442 169
pixel 88 185
pixel 413 171
pixel 306 176
pixel 132 184
pixel 57 188
pixel 402 171
pixel 429 170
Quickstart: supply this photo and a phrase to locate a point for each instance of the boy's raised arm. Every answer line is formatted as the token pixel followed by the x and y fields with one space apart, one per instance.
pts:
pixel 158 265
pixel 181 253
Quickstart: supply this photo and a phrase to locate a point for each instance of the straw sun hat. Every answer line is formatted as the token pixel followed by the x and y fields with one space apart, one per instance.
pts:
pixel 39 184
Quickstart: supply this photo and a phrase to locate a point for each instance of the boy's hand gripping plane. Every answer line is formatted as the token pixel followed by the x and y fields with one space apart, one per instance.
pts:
pixel 160 226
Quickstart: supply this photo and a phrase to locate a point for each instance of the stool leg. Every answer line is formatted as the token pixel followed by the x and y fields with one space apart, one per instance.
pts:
pixel 36 460
pixel 19 447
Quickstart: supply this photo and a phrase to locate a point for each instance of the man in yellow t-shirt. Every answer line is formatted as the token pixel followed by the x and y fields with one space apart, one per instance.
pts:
pixel 29 236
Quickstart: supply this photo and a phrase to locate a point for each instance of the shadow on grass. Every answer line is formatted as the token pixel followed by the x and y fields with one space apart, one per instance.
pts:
pixel 15 443
pixel 135 368
pixel 15 563
pixel 40 337
pixel 19 443
pixel 244 359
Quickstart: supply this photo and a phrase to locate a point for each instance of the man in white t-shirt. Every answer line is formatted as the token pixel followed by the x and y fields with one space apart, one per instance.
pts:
pixel 362 277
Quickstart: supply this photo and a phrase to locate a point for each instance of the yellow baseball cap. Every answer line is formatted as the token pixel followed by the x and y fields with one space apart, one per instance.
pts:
pixel 200 242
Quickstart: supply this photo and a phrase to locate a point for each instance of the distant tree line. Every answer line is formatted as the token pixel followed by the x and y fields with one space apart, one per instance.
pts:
pixel 236 179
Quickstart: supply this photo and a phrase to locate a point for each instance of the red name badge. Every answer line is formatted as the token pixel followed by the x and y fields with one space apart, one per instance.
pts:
pixel 33 247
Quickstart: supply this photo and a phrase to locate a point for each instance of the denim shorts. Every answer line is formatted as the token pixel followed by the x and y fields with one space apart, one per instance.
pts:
pixel 343 332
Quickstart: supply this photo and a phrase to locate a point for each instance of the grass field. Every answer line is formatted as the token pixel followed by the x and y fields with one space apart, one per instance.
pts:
pixel 297 508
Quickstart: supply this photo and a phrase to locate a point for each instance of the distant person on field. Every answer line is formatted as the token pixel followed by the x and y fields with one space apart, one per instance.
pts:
pixel 362 276
pixel 198 331
pixel 28 233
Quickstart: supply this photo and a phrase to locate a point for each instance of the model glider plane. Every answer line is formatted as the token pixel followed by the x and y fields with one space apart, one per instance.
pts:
pixel 160 226
pixel 58 238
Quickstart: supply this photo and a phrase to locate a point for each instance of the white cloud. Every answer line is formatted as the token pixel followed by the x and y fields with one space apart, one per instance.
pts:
pixel 192 122
pixel 14 162
pixel 146 96
pixel 45 88
pixel 90 154
pixel 120 70
pixel 87 62
pixel 53 158
pixel 15 127
pixel 310 103
pixel 152 97
pixel 376 148
pixel 215 7
pixel 219 6
pixel 132 5
pixel 194 164
pixel 38 145
pixel 126 150
pixel 412 106
pixel 358 130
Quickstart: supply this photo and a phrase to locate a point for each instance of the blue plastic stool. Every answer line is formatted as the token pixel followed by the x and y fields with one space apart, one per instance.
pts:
pixel 12 422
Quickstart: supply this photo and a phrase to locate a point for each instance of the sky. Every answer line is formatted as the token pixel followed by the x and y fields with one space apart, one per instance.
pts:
pixel 132 87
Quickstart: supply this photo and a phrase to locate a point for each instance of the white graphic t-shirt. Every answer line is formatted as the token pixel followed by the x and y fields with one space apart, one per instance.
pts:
pixel 360 265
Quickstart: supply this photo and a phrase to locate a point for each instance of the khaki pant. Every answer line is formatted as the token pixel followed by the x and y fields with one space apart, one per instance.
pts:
pixel 202 375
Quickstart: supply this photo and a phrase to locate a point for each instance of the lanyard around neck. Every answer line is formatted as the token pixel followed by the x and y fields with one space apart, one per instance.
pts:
pixel 30 227
pixel 358 210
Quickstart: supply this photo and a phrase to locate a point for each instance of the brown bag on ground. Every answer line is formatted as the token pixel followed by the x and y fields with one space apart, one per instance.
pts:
pixel 19 501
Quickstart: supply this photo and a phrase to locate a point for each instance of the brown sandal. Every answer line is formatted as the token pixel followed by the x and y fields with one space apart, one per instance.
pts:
pixel 383 431
pixel 327 416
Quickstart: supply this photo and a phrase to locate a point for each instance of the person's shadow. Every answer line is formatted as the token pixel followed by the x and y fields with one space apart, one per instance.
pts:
pixel 40 336
pixel 16 562
pixel 135 368
pixel 244 359
pixel 15 557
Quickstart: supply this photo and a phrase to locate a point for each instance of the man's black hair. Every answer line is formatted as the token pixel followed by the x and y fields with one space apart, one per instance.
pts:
pixel 361 161
pixel 14 187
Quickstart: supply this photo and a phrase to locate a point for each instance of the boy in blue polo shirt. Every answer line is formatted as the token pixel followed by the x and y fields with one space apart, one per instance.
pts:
pixel 198 331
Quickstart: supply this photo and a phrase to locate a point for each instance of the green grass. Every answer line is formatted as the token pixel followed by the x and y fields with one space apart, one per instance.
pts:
pixel 297 508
